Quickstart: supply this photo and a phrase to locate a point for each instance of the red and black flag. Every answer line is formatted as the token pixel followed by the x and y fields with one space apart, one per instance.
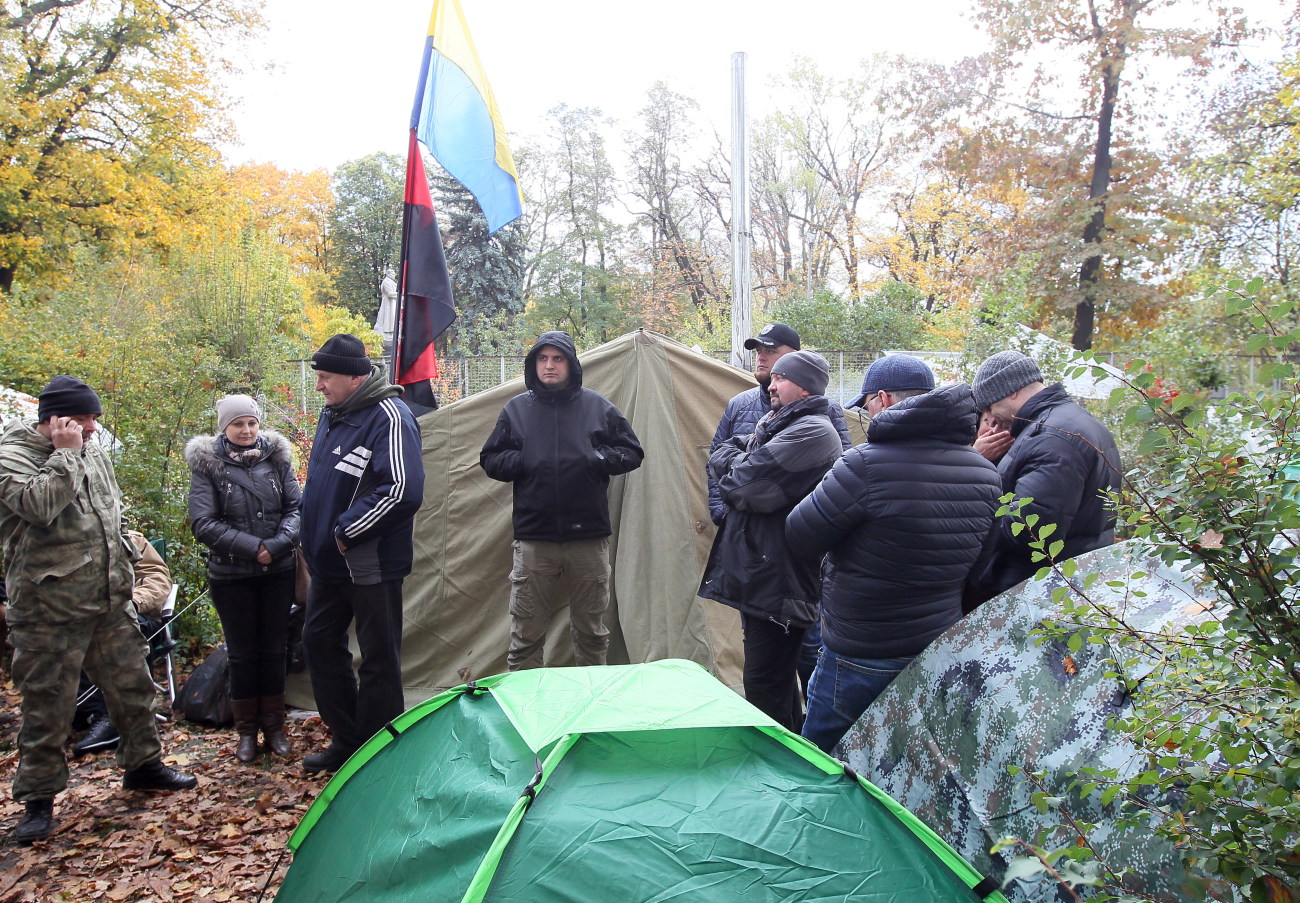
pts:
pixel 425 307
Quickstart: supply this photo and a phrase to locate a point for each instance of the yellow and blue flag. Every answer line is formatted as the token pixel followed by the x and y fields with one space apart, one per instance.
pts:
pixel 457 119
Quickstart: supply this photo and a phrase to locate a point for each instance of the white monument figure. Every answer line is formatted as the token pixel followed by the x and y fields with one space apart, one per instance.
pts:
pixel 386 321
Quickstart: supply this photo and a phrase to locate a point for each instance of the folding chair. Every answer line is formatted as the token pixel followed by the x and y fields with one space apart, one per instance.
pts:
pixel 161 641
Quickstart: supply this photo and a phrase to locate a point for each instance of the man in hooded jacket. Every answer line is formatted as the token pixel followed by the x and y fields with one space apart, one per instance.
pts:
pixel 365 481
pixel 559 443
pixel 901 520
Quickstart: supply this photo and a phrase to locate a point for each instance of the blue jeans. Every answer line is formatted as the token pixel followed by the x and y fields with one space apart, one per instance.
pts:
pixel 840 691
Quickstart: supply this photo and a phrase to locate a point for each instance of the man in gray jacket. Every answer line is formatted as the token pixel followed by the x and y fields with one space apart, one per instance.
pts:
pixel 69 578
pixel 751 568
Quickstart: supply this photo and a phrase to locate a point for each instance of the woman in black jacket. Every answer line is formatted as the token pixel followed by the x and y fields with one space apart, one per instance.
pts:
pixel 244 502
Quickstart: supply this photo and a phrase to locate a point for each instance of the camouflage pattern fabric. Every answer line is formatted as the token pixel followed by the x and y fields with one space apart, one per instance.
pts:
pixel 47 663
pixel 66 557
pixel 69 579
pixel 985 696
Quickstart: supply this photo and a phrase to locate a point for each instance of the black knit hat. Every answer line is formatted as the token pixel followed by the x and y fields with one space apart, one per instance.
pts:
pixel 342 353
pixel 67 396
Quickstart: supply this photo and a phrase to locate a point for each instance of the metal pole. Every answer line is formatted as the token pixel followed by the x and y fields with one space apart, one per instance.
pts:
pixel 741 299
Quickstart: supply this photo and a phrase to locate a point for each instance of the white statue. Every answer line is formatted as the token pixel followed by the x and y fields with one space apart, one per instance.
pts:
pixel 386 322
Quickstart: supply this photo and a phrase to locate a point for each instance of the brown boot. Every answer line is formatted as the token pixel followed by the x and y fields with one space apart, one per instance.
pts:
pixel 246 727
pixel 273 725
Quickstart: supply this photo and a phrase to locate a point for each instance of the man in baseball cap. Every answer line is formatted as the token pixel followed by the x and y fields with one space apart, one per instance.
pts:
pixel 898 375
pixel 744 410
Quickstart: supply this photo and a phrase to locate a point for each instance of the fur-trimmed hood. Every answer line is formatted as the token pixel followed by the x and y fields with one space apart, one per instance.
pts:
pixel 203 456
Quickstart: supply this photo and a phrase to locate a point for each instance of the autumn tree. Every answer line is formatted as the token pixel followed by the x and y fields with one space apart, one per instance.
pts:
pixel 681 238
pixel 843 147
pixel 365 228
pixel 1096 51
pixel 1248 179
pixel 575 277
pixel 104 104
pixel 293 208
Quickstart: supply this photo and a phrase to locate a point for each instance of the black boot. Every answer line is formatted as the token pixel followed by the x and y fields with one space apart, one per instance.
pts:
pixel 331 758
pixel 246 726
pixel 101 735
pixel 37 823
pixel 157 776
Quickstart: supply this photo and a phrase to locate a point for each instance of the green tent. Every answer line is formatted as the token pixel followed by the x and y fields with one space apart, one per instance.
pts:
pixel 649 782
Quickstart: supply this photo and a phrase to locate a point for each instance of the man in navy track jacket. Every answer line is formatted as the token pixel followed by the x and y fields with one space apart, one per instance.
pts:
pixel 365 481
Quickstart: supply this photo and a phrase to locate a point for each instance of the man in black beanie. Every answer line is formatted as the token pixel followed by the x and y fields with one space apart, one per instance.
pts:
pixel 70 578
pixel 365 481
pixel 1061 457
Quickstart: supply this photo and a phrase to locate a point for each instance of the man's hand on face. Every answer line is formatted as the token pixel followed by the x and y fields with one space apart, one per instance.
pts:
pixel 994 440
pixel 65 432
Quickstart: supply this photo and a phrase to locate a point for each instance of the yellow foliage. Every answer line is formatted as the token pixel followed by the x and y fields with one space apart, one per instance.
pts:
pixel 323 321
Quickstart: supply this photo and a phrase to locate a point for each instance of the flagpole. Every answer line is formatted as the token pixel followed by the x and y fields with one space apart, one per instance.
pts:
pixel 741 309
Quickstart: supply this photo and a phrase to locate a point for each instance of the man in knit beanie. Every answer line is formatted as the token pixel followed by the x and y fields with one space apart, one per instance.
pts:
pixel 365 481
pixel 1060 457
pixel 69 572
pixel 751 566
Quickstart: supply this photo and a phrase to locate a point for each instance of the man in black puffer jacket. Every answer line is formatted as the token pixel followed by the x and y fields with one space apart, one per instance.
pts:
pixel 559 444
pixel 1061 457
pixel 903 518
pixel 750 567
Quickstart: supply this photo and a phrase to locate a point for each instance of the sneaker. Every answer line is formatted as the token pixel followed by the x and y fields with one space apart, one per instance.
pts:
pixel 102 735
pixel 329 759
pixel 157 776
pixel 38 821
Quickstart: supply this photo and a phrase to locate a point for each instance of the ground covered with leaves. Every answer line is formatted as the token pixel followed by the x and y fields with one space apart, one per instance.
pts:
pixel 224 841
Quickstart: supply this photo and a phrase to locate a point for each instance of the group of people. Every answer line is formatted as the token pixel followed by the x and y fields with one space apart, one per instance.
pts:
pixel 874 552
pixel 844 562
pixel 76 585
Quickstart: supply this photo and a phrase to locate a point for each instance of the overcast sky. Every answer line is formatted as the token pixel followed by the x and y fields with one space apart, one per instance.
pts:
pixel 332 81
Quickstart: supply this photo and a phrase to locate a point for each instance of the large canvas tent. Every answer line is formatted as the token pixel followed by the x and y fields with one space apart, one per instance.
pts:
pixel 636 783
pixel 456 624
pixel 988 694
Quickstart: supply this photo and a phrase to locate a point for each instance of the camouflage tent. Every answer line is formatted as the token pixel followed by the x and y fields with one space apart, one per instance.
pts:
pixel 986 696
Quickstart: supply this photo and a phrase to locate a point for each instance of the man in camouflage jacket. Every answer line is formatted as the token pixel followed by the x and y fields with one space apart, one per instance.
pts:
pixel 69 579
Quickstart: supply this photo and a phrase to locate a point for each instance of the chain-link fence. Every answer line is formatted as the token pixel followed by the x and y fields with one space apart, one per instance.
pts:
pixel 465 376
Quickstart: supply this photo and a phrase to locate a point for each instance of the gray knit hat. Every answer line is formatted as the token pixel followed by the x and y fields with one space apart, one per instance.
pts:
pixel 806 369
pixel 1005 373
pixel 894 373
pixel 233 407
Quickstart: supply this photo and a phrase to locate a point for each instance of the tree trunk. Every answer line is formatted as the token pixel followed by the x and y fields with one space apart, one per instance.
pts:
pixel 1112 67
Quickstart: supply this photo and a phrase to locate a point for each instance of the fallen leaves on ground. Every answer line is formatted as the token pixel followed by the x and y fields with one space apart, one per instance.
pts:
pixel 222 842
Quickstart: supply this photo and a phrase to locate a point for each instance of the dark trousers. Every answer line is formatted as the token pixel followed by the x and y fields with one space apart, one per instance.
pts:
pixel 254 616
pixel 771 670
pixel 355 706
